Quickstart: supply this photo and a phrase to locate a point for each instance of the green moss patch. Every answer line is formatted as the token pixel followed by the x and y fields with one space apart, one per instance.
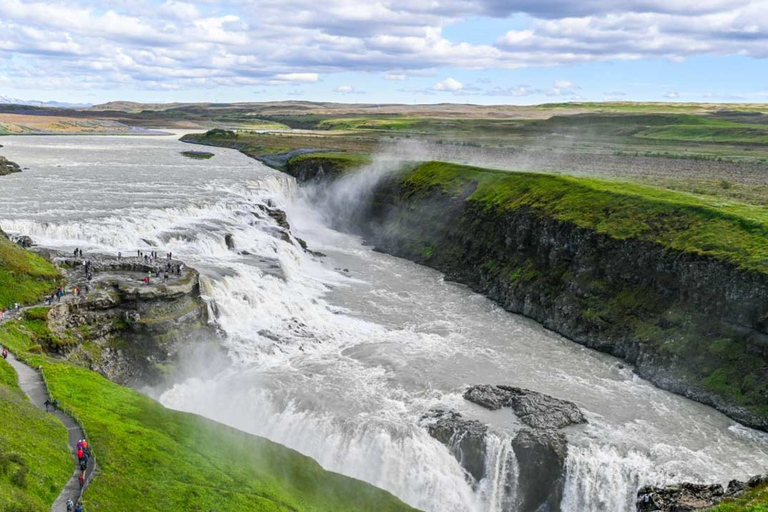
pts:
pixel 25 277
pixel 734 232
pixel 756 500
pixel 35 462
pixel 152 458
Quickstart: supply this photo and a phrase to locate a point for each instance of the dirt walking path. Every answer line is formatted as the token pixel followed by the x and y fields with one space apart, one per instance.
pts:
pixel 31 382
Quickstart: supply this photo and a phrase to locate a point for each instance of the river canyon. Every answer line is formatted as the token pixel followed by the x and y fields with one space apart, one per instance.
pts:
pixel 339 356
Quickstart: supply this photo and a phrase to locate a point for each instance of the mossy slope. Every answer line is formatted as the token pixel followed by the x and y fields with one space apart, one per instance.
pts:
pixel 755 500
pixel 675 284
pixel 152 458
pixel 25 277
pixel 732 232
pixel 35 462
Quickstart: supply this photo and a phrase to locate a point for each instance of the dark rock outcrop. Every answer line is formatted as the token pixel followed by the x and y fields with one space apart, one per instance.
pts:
pixel 229 239
pixel 688 497
pixel 625 297
pixel 534 409
pixel 466 439
pixel 23 240
pixel 679 498
pixel 541 456
pixel 8 167
pixel 130 332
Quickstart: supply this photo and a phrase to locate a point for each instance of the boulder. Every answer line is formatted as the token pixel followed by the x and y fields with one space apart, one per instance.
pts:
pixel 541 456
pixel 687 497
pixel 8 167
pixel 23 240
pixel 466 439
pixel 684 497
pixel 535 409
pixel 229 239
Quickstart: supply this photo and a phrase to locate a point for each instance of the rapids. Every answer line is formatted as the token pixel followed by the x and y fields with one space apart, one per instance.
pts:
pixel 338 357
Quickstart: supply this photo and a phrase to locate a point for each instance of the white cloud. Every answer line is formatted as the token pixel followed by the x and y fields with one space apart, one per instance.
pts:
pixel 298 77
pixel 207 43
pixel 672 95
pixel 347 89
pixel 449 84
pixel 565 85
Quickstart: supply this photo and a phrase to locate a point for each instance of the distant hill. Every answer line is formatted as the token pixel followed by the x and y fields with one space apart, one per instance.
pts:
pixel 5 100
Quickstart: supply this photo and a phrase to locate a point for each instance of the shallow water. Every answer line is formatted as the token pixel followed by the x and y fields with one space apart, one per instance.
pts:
pixel 341 365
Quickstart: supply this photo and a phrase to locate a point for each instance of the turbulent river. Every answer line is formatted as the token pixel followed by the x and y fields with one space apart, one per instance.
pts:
pixel 338 357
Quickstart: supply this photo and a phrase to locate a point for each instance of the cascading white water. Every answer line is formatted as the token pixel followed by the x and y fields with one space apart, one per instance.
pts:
pixel 499 487
pixel 341 365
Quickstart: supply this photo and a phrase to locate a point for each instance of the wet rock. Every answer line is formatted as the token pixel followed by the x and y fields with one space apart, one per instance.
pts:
pixel 8 167
pixel 735 487
pixel 757 480
pixel 684 497
pixel 687 497
pixel 541 456
pixel 466 439
pixel 532 408
pixel 278 215
pixel 229 239
pixel 23 240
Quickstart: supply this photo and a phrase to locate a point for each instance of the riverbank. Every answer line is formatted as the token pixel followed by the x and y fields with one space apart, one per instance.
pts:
pixel 151 458
pixel 672 283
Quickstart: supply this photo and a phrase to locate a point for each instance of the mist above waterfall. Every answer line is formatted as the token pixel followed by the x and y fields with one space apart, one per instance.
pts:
pixel 339 357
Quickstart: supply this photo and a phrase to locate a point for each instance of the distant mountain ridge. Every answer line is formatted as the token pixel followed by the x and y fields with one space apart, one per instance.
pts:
pixel 5 100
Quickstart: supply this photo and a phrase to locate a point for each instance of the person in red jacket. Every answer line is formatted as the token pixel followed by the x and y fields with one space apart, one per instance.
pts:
pixel 80 453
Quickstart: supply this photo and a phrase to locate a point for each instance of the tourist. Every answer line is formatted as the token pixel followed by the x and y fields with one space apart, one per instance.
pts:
pixel 79 507
pixel 81 479
pixel 80 452
pixel 119 255
pixel 70 506
pixel 146 280
pixel 75 253
pixel 47 403
pixel 5 353
pixel 55 405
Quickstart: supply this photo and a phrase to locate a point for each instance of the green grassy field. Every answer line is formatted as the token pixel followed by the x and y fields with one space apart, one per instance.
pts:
pixel 755 500
pixel 734 232
pixel 35 462
pixel 24 277
pixel 152 458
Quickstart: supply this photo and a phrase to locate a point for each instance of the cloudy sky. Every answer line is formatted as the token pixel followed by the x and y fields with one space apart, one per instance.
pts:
pixel 371 51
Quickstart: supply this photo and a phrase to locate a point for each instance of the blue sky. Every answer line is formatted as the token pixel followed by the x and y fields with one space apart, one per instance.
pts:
pixel 385 51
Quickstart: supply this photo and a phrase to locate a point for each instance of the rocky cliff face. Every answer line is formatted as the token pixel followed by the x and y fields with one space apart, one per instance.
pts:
pixel 692 324
pixel 535 482
pixel 128 331
pixel 687 497
pixel 688 323
pixel 7 167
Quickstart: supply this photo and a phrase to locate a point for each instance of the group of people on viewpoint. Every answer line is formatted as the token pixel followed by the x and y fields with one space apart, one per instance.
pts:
pixel 151 258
